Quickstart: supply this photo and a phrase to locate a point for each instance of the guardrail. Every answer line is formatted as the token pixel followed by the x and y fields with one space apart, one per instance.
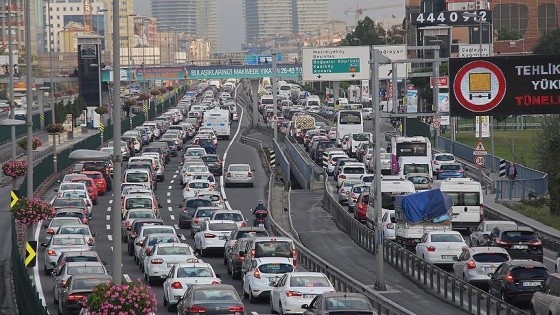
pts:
pixel 282 161
pixel 308 174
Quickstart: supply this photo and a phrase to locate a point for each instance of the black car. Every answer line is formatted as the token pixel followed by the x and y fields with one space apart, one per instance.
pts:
pixel 189 207
pixel 135 229
pixel 231 242
pixel 318 148
pixel 339 303
pixel 101 166
pixel 210 299
pixel 521 242
pixel 173 148
pixel 76 291
pixel 158 150
pixel 214 163
pixel 517 280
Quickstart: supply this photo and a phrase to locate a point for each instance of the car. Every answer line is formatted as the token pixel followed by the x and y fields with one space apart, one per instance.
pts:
pixel 389 221
pixel 214 163
pixel 441 246
pixel 235 258
pixel 79 213
pixel 72 203
pixel 439 159
pixel 256 281
pixel 241 232
pixel 213 235
pixel 350 171
pixel 58 244
pixel 189 170
pixel 74 194
pixel 162 256
pixel 210 299
pixel 421 181
pixel 146 245
pixel 521 242
pixel 239 174
pixel 296 289
pixel 361 206
pixel 355 192
pixel 195 186
pixel 55 223
pixel 135 230
pixel 480 235
pixel 144 230
pixel 185 274
pixel 454 170
pixel 476 263
pixel 345 189
pixel 201 214
pixel 215 197
pixel 129 217
pixel 77 256
pixel 99 180
pixel 72 269
pixel 189 207
pixel 233 215
pixel 547 300
pixel 339 302
pixel 517 280
pixel 79 229
pixel 105 167
pixel 77 289
pixel 92 190
pixel 135 200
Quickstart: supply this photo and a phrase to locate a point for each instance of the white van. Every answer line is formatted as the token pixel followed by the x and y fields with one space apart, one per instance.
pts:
pixel 415 164
pixel 356 139
pixel 468 203
pixel 389 189
pixel 140 176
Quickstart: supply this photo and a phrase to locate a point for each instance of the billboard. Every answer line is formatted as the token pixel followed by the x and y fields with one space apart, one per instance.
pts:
pixel 393 52
pixel 141 33
pixel 76 22
pixel 505 85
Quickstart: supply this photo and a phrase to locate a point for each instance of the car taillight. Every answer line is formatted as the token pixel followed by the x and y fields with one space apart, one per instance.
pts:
pixel 228 174
pixel 505 243
pixel 353 196
pixel 252 253
pixel 91 241
pixel 460 171
pixel 431 248
pixel 471 264
pixel 236 309
pixel 341 191
pixel 440 171
pixel 76 297
pixel 195 309
pixel 481 211
pixel 464 248
pixel 509 278
pixel 59 194
pixel 216 282
pixel 342 176
pixel 51 252
pixel 84 220
pixel 63 283
pixel 249 174
pixel 50 231
pixel 88 203
pixel 293 293
pixel 537 242
pixel 209 235
pixel 243 224
pixel 157 261
pixel 294 256
pixel 390 226
pixel 185 210
pixel 195 221
pixel 257 273
pixel 127 223
pixel 435 163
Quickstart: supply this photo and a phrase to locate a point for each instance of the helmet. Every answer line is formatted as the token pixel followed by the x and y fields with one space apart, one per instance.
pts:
pixel 261 203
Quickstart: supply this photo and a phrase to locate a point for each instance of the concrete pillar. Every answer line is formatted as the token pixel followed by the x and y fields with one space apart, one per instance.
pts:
pixel 255 92
pixel 336 90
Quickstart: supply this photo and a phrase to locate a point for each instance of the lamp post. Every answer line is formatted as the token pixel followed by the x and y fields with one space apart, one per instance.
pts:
pixel 11 85
pixel 29 117
pixel 51 92
pixel 128 38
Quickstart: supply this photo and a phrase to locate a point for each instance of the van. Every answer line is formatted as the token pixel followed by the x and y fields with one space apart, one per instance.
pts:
pixel 357 138
pixel 265 246
pixel 141 176
pixel 468 203
pixel 312 100
pixel 415 164
pixel 389 190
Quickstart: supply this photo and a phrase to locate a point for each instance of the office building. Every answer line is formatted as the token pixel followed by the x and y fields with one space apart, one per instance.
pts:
pixel 198 18
pixel 308 15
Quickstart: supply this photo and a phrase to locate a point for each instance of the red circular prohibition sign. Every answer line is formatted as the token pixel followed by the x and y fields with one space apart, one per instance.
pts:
pixel 474 107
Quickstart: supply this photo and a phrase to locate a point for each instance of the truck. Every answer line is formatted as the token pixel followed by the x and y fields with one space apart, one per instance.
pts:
pixel 300 124
pixel 218 119
pixel 418 213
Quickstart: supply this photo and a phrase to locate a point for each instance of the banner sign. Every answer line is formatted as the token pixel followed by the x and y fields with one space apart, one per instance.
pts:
pixel 450 18
pixel 241 72
pixel 160 73
pixel 505 85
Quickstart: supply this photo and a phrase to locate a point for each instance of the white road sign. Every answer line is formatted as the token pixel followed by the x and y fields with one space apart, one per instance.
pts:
pixel 336 63
pixel 393 52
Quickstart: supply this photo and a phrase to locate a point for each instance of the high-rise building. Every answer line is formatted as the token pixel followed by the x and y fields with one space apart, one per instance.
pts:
pixel 266 19
pixel 197 18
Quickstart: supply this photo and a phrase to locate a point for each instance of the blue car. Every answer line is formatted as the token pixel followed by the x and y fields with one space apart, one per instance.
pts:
pixel 451 171
pixel 208 145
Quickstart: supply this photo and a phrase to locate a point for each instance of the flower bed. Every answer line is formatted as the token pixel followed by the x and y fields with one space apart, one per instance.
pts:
pixel 28 211
pixel 55 128
pixel 134 298
pixel 15 168
pixel 36 142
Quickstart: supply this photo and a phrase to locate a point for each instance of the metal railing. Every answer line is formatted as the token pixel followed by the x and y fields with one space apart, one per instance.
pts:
pixel 282 161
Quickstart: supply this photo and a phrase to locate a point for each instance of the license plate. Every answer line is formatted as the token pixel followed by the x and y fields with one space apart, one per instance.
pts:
pixel 448 257
pixel 519 246
pixel 238 175
pixel 308 296
pixel 531 283
pixel 489 269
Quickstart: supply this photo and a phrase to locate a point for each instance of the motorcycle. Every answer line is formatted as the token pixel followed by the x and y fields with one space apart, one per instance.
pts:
pixel 260 217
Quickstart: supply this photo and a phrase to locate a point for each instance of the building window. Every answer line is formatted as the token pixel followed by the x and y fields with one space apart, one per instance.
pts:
pixel 547 18
pixel 514 17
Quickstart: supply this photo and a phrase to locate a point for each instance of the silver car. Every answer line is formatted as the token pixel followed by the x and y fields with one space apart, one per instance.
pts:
pixel 344 189
pixel 239 174
pixel 355 194
pixel 476 263
pixel 75 268
pixel 58 244
pixel 201 214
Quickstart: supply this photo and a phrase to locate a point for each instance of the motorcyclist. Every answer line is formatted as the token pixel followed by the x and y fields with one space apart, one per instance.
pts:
pixel 261 214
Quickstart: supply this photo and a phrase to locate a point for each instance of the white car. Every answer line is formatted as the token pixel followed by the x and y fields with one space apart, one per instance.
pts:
pixel 55 223
pixel 441 247
pixel 162 257
pixel 367 113
pixel 297 288
pixel 213 234
pixel 389 221
pixel 239 174
pixel 184 274
pixel 147 230
pixel 190 170
pixel 439 159
pixel 263 271
pixel 79 229
pixel 233 215
pixel 152 240
pixel 193 187
pixel 58 244
pixel 477 263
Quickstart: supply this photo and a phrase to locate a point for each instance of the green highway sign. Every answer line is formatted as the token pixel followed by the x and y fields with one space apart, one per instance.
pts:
pixel 242 72
pixel 344 65
pixel 336 63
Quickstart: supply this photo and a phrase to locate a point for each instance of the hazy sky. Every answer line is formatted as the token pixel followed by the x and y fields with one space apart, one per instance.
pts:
pixel 232 26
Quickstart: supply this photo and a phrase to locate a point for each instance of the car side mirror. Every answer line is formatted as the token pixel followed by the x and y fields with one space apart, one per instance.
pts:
pixel 252 170
pixel 491 275
pixel 95 234
pixel 179 206
pixel 305 306
pixel 160 205
pixel 54 273
pixel 43 244
pixel 55 190
pixel 272 283
pixel 218 275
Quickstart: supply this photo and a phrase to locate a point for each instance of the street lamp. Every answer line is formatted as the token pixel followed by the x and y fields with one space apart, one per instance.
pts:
pixel 13 123
pixel 29 117
pixel 11 83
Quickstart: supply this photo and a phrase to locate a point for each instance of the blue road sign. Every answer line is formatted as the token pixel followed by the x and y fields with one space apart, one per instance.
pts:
pixel 254 59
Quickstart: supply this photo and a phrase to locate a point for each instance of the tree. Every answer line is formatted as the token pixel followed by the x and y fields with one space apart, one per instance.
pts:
pixel 423 83
pixel 505 34
pixel 367 33
pixel 549 44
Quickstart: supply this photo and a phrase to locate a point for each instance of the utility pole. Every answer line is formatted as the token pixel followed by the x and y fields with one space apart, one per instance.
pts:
pixel 275 94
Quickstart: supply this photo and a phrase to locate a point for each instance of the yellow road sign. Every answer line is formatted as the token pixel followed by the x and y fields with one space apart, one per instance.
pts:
pixel 101 127
pixel 14 197
pixel 30 253
pixel 42 117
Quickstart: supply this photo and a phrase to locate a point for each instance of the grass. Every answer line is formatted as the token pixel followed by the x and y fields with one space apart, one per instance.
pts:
pixel 521 150
pixel 541 214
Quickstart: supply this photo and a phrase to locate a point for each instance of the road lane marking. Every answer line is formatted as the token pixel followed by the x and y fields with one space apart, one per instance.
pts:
pixel 175 176
pixel 110 200
pixel 172 217
pixel 168 200
pixel 170 208
pixel 127 278
pixel 172 181
pixel 108 226
pixel 169 187
pixel 177 171
pixel 108 209
pixel 183 238
pixel 111 248
pixel 110 237
pixel 168 193
pixel 36 273
pixel 176 227
pixel 108 218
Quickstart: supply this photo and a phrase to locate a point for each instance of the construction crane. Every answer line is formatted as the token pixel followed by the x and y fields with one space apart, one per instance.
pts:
pixel 359 11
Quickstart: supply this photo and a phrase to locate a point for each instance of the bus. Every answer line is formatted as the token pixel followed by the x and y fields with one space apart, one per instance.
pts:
pixel 411 146
pixel 347 122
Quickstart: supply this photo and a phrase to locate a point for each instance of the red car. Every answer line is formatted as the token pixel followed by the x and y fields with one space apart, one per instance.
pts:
pixel 93 192
pixel 100 181
pixel 360 208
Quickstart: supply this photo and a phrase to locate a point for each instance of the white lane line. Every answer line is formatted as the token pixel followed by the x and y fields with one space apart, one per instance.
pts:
pixel 222 188
pixel 177 171
pixel 172 181
pixel 176 226
pixel 110 237
pixel 108 226
pixel 108 209
pixel 36 273
pixel 172 217
pixel 127 278
pixel 168 200
pixel 168 193
pixel 175 176
pixel 551 260
pixel 170 208
pixel 183 238
pixel 169 187
pixel 111 248
pixel 110 200
pixel 108 218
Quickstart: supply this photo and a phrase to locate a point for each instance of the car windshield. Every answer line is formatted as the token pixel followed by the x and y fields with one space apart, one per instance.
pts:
pixel 62 222
pixel 276 268
pixel 347 303
pixel 69 241
pixel 74 194
pixel 162 239
pixel 519 236
pixel 134 202
pixel 209 178
pixel 491 226
pixel 349 183
pixel 195 203
pixel 360 137
pixel 273 249
pixel 446 238
pixel 222 226
pixel 228 216
pixel 80 258
pixel 239 168
pixel 359 189
pixel 199 185
pixel 186 272
pixel 451 167
pixel 416 168
pixel 174 250
pixel 210 158
pixel 465 198
pixel 137 177
pixel 491 257
pixel 354 170
pixel 241 234
pixel 445 157
pixel 419 179
pixel 72 186
pixel 309 281
pixel 94 176
pixel 87 284
pixel 74 230
pixel 528 273
pixel 78 270
pixel 154 230
pixel 68 203
pixel 204 213
pixel 215 295
pixel 193 169
pixel 141 214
